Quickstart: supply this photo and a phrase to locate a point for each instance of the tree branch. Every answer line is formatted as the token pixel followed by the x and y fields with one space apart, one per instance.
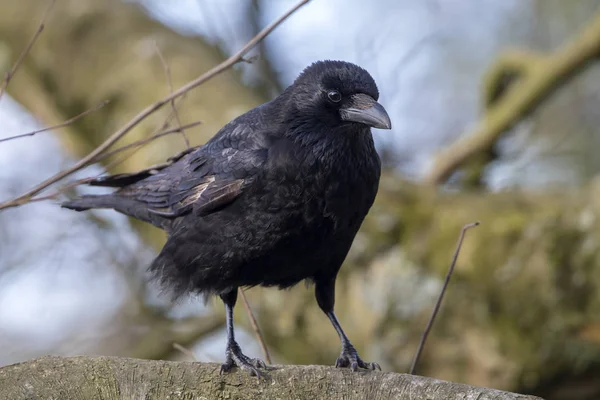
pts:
pixel 538 82
pixel 116 378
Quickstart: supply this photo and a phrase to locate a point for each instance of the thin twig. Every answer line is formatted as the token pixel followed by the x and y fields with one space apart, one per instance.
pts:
pixel 61 125
pixel 185 351
pixel 160 132
pixel 142 115
pixel 170 82
pixel 441 296
pixel 10 74
pixel 255 327
pixel 149 139
pixel 139 144
pixel 54 195
pixel 171 114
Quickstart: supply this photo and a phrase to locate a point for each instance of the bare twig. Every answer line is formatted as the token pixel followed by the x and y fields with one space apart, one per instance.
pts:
pixel 142 115
pixel 61 125
pixel 185 351
pixel 10 74
pixel 438 303
pixel 255 327
pixel 160 132
pixel 170 82
pixel 139 144
pixel 54 195
pixel 142 142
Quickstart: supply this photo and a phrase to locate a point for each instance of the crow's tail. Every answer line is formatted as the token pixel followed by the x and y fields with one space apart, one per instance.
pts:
pixel 123 205
pixel 92 201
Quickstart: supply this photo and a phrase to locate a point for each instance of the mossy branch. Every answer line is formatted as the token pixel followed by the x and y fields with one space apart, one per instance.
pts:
pixel 539 78
pixel 126 378
pixel 508 69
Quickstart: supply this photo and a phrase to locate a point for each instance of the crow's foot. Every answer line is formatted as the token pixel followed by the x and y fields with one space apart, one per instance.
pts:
pixel 235 357
pixel 350 358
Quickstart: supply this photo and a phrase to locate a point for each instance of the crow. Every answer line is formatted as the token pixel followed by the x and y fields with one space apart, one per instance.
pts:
pixel 274 198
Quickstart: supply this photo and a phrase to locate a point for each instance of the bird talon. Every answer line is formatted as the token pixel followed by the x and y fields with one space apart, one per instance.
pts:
pixel 258 363
pixel 242 361
pixel 259 375
pixel 255 362
pixel 226 367
pixel 350 358
pixel 341 362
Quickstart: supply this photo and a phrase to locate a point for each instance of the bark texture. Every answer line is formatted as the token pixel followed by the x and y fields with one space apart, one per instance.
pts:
pixel 109 378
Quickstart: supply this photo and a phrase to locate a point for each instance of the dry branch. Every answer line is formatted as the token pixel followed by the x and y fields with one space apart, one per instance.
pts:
pixel 257 332
pixel 58 126
pixel 438 302
pixel 165 65
pixel 142 142
pixel 119 378
pixel 135 145
pixel 542 78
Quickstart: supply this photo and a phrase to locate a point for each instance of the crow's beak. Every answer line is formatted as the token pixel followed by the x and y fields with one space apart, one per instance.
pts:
pixel 365 110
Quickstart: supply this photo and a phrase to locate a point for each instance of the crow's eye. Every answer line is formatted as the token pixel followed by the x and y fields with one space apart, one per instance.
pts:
pixel 334 96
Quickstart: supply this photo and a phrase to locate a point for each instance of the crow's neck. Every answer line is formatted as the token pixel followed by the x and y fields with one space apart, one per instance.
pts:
pixel 341 148
pixel 320 137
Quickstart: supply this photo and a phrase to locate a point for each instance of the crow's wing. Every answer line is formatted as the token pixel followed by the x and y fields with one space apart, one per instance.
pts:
pixel 121 180
pixel 203 180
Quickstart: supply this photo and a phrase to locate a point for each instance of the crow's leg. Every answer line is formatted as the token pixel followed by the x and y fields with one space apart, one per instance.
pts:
pixel 325 293
pixel 233 352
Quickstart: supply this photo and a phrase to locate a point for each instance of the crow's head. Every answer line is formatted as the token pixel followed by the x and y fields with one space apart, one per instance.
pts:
pixel 338 93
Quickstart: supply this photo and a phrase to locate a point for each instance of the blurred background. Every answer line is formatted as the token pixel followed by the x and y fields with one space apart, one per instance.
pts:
pixel 523 310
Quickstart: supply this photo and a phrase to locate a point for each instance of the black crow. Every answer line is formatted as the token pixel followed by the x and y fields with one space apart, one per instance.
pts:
pixel 274 198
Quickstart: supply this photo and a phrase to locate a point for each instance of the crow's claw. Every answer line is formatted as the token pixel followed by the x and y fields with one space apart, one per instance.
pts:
pixel 258 363
pixel 235 357
pixel 350 358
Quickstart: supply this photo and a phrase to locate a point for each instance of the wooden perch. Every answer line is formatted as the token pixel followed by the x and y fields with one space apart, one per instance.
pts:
pixel 538 82
pixel 127 378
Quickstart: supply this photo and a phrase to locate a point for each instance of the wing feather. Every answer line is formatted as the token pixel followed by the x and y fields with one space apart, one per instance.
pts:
pixel 200 180
pixel 217 196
